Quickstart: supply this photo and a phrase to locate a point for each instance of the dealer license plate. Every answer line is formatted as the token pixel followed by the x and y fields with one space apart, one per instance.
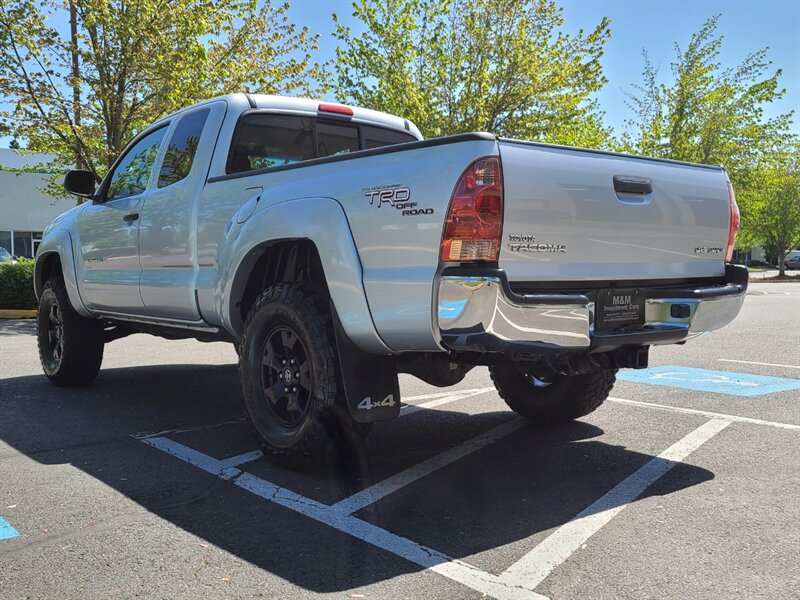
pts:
pixel 619 308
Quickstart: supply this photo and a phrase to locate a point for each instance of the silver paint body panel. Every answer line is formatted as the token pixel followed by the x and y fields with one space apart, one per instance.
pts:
pixel 566 196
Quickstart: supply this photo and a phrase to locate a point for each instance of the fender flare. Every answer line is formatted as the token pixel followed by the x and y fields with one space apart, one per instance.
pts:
pixel 59 243
pixel 323 222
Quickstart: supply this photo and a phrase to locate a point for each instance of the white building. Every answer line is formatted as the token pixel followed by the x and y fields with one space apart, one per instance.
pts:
pixel 24 209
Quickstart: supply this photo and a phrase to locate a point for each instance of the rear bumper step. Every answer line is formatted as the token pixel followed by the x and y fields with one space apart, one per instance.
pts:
pixel 478 312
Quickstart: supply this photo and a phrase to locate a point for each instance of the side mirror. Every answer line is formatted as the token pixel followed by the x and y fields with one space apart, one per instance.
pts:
pixel 79 183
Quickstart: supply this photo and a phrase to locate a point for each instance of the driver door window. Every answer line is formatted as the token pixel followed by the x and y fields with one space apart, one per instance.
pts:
pixel 132 174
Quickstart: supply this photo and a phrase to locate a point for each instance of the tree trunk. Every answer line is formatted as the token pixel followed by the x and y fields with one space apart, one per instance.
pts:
pixel 76 82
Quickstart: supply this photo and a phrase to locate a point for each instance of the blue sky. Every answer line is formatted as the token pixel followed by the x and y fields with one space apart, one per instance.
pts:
pixel 747 26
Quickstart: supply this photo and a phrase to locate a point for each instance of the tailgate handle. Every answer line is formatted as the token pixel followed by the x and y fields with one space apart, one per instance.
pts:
pixel 626 184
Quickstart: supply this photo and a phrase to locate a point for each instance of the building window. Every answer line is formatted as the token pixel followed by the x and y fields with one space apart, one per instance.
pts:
pixel 20 243
pixel 5 240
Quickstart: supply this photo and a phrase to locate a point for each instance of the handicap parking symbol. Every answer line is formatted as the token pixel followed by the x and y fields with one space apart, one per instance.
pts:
pixel 706 380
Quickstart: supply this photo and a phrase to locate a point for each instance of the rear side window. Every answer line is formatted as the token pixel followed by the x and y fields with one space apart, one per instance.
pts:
pixel 333 139
pixel 377 137
pixel 263 140
pixel 182 148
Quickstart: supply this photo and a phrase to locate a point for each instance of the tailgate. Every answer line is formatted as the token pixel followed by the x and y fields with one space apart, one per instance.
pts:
pixel 575 215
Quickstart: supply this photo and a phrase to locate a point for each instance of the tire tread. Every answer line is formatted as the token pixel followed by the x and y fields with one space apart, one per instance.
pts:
pixel 579 396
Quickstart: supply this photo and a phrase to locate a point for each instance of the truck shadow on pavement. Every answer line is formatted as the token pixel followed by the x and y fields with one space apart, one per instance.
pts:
pixel 524 484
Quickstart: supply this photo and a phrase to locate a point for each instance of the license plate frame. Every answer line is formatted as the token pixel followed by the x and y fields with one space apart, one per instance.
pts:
pixel 617 308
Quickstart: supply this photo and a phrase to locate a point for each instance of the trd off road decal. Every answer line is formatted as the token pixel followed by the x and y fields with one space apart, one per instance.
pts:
pixel 397 197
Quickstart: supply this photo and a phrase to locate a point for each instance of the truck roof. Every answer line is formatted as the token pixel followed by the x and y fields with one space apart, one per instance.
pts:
pixel 311 107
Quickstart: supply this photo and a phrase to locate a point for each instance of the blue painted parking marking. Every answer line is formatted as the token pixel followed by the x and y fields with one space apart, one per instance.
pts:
pixel 450 309
pixel 706 380
pixel 6 530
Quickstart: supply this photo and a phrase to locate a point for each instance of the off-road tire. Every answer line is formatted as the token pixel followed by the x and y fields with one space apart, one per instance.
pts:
pixel 325 428
pixel 564 399
pixel 70 346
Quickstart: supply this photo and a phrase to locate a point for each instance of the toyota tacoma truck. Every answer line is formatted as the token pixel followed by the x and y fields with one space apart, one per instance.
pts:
pixel 336 248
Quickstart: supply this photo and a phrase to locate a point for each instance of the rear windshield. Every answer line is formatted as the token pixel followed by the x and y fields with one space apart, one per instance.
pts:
pixel 263 140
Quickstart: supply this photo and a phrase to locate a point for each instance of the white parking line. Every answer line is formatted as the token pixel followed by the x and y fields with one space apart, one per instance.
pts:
pixel 423 556
pixel 521 578
pixel 750 362
pixel 705 413
pixel 193 457
pixel 240 459
pixel 537 564
pixel 390 485
pixel 410 409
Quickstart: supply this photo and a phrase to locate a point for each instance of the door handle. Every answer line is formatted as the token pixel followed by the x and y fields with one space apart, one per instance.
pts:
pixel 130 218
pixel 626 184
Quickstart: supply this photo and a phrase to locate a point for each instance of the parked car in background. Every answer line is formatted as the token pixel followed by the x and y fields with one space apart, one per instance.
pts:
pixel 792 263
pixel 5 256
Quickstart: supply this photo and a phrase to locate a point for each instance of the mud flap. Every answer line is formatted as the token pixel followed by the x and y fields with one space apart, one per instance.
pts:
pixel 370 381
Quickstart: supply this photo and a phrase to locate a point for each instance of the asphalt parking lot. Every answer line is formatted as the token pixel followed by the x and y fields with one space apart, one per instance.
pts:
pixel 147 484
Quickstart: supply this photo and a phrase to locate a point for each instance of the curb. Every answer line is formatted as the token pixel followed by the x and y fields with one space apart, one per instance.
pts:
pixel 790 279
pixel 17 314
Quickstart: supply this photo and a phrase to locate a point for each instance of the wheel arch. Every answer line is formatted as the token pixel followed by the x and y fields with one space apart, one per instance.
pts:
pixel 276 261
pixel 55 257
pixel 276 246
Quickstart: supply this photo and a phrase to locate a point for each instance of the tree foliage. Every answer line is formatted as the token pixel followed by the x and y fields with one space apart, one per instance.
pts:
pixel 707 114
pixel 16 284
pixel 450 66
pixel 711 115
pixel 138 61
pixel 773 205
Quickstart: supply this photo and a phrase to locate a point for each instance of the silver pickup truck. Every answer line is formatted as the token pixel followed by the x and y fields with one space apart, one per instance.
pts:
pixel 335 247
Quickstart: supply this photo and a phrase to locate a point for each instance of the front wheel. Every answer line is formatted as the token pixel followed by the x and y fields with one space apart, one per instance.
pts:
pixel 70 346
pixel 555 399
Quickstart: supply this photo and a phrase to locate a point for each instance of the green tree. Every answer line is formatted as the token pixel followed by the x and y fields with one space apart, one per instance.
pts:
pixel 708 114
pixel 137 61
pixel 773 206
pixel 450 66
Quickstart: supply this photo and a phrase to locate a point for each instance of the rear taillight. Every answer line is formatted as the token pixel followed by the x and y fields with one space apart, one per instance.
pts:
pixel 474 221
pixel 733 229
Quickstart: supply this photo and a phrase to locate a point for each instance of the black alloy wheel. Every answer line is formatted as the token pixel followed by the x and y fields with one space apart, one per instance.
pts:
pixel 70 346
pixel 53 349
pixel 286 376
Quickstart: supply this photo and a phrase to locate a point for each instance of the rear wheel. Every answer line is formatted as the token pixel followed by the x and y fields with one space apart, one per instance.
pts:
pixel 290 377
pixel 553 399
pixel 70 346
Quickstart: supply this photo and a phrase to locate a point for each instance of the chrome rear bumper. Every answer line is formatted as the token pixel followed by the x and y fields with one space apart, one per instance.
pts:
pixel 480 313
